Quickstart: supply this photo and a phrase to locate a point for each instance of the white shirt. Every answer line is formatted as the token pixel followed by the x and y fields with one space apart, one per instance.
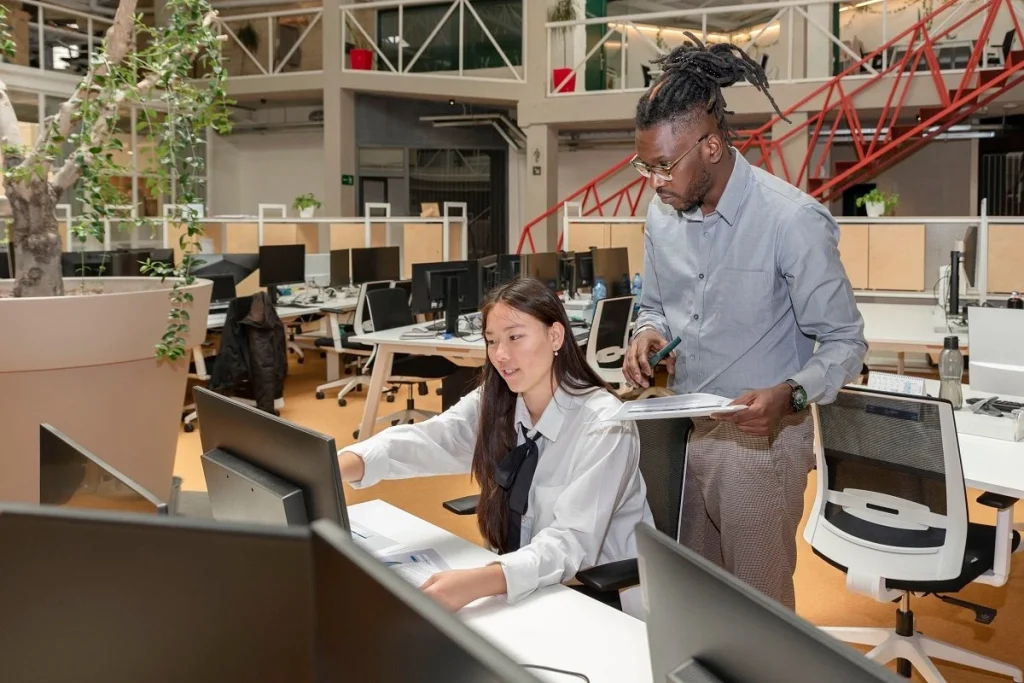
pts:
pixel 587 494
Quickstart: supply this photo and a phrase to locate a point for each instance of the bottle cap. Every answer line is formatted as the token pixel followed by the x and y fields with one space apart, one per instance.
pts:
pixel 952 342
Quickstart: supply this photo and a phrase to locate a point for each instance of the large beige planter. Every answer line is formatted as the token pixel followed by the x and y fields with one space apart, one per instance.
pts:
pixel 87 365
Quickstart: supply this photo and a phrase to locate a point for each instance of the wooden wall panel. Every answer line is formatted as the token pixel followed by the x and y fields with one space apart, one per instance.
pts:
pixel 896 257
pixel 853 251
pixel 631 236
pixel 1005 258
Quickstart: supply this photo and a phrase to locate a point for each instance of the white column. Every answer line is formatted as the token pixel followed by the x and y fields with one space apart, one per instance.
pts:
pixel 542 184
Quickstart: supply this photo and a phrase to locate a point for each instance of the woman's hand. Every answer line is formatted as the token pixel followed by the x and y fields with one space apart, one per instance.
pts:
pixel 352 466
pixel 456 588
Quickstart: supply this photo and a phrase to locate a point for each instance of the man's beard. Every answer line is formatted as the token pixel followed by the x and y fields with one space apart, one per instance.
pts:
pixel 697 189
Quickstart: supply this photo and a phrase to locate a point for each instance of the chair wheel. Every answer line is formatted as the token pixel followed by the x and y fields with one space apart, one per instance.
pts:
pixel 277 413
pixel 422 387
pixel 439 391
pixel 189 428
pixel 323 355
pixel 319 395
pixel 355 434
pixel 342 402
pixel 300 360
pixel 412 421
pixel 348 371
pixel 390 398
pixel 359 387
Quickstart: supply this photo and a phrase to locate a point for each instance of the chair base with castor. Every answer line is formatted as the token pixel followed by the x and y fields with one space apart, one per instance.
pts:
pixel 915 651
pixel 410 415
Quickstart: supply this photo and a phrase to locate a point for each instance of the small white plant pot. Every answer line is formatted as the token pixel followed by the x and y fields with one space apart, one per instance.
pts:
pixel 310 210
pixel 874 209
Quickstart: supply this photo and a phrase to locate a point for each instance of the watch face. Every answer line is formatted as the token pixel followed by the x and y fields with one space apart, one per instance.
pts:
pixel 799 399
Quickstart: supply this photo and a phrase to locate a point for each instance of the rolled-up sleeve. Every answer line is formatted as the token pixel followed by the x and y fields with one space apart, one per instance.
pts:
pixel 823 302
pixel 652 312
pixel 441 445
pixel 605 459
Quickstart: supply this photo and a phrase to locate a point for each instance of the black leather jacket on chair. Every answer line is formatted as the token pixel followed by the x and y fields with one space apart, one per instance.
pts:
pixel 253 356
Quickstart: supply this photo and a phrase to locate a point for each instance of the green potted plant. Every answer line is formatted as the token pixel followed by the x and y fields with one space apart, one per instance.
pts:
pixel 659 42
pixel 105 360
pixel 878 203
pixel 361 54
pixel 306 204
pixel 564 78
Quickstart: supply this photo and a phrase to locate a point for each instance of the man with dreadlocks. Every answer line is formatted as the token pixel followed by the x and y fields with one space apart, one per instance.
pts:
pixel 745 269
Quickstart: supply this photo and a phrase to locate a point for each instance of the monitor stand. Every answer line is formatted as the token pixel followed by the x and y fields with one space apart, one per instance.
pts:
pixel 243 493
pixel 451 306
pixel 692 672
pixel 274 294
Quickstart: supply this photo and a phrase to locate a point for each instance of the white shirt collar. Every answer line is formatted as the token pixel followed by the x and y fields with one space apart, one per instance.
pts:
pixel 553 417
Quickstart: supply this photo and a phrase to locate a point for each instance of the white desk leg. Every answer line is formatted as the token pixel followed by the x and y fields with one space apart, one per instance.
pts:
pixel 333 367
pixel 381 371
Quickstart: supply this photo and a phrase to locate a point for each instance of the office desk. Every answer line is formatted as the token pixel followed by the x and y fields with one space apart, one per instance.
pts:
pixel 905 327
pixel 556 626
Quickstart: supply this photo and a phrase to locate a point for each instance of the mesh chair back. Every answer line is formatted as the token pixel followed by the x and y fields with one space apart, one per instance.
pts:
pixel 891 501
pixel 609 332
pixel 663 464
pixel 359 324
pixel 389 308
pixel 407 286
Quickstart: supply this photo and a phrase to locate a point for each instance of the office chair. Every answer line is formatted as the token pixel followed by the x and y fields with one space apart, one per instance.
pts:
pixel 609 339
pixel 339 342
pixel 389 308
pixel 891 512
pixel 662 465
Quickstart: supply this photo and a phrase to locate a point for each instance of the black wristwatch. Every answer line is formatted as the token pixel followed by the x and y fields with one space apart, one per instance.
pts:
pixel 798 399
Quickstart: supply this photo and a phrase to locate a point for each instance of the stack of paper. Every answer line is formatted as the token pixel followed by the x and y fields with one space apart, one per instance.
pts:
pixel 684 405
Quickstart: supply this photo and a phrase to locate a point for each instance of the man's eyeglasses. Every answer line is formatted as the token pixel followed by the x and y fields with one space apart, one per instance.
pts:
pixel 663 173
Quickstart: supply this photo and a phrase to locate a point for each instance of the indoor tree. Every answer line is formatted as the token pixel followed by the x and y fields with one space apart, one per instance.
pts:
pixel 146 67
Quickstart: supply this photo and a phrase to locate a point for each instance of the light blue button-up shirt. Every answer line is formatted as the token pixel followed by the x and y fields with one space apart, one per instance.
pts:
pixel 750 288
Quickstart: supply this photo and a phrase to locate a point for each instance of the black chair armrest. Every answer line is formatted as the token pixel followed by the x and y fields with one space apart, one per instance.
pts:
pixel 462 506
pixel 610 577
pixel 997 501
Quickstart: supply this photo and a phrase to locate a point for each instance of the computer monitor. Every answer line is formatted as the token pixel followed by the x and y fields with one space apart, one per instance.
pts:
pixel 487 275
pixel 260 468
pixel 239 266
pixel 401 635
pixel 996 352
pixel 544 267
pixel 706 626
pixel 71 476
pixel 508 267
pixel 6 264
pixel 224 289
pixel 449 286
pixel 376 263
pixel 86 263
pixel 282 264
pixel 341 276
pixel 567 272
pixel 96 597
pixel 971 255
pixel 584 269
pixel 612 264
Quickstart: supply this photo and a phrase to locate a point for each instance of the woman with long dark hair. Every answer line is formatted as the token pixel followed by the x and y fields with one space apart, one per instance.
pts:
pixel 560 485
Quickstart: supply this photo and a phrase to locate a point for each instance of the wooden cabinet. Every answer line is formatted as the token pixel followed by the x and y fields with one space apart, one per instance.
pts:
pixel 1005 258
pixel 883 257
pixel 853 252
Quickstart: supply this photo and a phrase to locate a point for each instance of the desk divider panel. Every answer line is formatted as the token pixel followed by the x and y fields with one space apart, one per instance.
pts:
pixel 423 243
pixel 896 257
pixel 347 236
pixel 242 238
pixel 1005 258
pixel 853 252
pixel 583 236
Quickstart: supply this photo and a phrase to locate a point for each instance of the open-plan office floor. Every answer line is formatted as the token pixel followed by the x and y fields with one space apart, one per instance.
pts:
pixel 821 594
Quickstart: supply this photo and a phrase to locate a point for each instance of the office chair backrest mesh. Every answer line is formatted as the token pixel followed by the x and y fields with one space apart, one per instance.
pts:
pixel 407 286
pixel 662 465
pixel 609 333
pixel 362 317
pixel 389 308
pixel 890 485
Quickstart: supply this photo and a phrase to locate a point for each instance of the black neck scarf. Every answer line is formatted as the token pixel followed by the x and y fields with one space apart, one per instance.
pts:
pixel 515 474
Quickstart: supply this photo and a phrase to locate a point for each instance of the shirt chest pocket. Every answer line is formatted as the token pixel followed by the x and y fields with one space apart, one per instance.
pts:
pixel 739 299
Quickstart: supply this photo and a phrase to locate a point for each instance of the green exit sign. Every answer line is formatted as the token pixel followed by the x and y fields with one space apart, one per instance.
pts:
pixel 348 179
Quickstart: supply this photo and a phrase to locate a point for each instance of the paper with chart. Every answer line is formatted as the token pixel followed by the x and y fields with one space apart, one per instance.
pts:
pixel 683 405
pixel 371 541
pixel 415 566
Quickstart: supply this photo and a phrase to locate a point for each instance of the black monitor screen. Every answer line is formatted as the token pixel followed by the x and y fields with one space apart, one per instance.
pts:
pixel 508 267
pixel 5 265
pixel 487 274
pixel 544 267
pixel 340 275
pixel 612 265
pixel 282 264
pixel 70 476
pixel 430 282
pixel 239 266
pixel 223 287
pixel 375 263
pixel 87 264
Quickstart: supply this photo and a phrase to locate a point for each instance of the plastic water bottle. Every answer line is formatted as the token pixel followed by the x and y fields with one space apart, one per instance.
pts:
pixel 951 371
pixel 598 292
pixel 638 288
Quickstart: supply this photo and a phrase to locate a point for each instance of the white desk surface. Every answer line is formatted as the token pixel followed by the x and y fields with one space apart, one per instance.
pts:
pixel 215 320
pixel 904 325
pixel 556 626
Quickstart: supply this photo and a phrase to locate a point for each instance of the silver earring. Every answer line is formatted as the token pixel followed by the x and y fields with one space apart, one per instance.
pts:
pixel 556 353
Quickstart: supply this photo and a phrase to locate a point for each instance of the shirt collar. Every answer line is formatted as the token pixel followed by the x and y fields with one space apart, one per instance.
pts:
pixel 551 420
pixel 729 204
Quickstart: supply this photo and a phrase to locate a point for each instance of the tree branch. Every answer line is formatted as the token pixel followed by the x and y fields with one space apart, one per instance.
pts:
pixel 10 131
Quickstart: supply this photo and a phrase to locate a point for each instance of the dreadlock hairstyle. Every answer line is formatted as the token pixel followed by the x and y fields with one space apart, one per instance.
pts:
pixel 692 78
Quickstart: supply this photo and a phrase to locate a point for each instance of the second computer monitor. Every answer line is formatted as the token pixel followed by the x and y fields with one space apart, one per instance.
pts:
pixel 341 275
pixel 282 264
pixel 705 625
pixel 584 269
pixel 71 476
pixel 376 263
pixel 544 267
pixel 262 469
pixel 613 266
pixel 509 266
pixel 401 634
pixel 431 283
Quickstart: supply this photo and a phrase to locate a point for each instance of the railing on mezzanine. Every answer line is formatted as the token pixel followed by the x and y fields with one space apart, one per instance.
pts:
pixel 274 42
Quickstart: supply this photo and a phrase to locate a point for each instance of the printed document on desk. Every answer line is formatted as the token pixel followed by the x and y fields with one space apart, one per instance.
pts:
pixel 683 405
pixel 373 542
pixel 416 566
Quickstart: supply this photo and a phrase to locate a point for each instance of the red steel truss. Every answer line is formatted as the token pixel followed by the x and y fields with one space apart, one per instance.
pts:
pixel 886 141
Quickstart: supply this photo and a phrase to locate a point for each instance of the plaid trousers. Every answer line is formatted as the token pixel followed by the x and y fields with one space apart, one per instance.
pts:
pixel 743 499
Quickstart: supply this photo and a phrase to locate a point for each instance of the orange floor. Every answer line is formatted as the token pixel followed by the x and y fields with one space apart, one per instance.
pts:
pixel 822 597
